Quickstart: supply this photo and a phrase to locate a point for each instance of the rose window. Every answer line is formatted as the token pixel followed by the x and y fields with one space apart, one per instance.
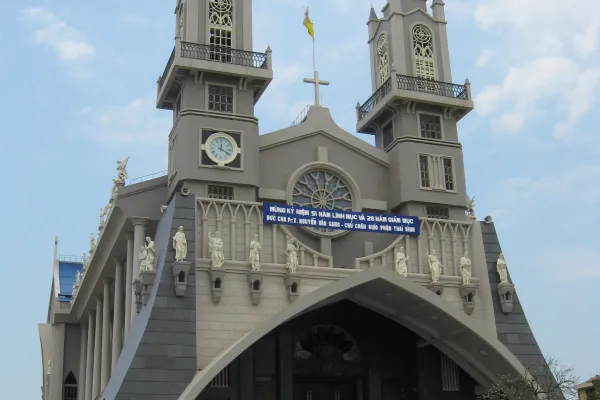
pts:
pixel 324 190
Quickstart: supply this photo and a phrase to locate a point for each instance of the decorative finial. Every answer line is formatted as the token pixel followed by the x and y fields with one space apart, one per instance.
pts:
pixel 467 81
pixel 269 48
pixel 358 104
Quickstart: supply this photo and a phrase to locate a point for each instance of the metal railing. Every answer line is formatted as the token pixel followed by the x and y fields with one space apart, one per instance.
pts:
pixel 301 117
pixel 224 55
pixel 430 86
pixel 146 178
pixel 161 80
pixel 379 94
pixel 411 83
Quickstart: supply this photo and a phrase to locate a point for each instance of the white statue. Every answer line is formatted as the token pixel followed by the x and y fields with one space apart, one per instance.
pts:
pixel 254 255
pixel 180 245
pixel 435 267
pixel 501 268
pixel 147 256
pixel 215 248
pixel 466 268
pixel 181 21
pixel 471 206
pixel 77 279
pixel 92 243
pixel 114 191
pixel 143 257
pixel 122 171
pixel 103 213
pixel 84 261
pixel 291 252
pixel 401 266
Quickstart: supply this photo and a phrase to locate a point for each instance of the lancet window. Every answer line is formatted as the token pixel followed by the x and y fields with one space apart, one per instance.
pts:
pixel 70 388
pixel 383 60
pixel 220 29
pixel 423 52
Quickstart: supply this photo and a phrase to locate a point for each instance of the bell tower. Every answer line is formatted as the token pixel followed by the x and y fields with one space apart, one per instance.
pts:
pixel 415 107
pixel 211 82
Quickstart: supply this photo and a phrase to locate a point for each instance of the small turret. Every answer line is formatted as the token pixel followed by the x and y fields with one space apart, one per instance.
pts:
pixel 437 8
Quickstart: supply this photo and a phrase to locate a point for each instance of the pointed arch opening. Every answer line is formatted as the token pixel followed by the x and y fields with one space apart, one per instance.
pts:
pixel 220 29
pixel 383 60
pixel 423 52
pixel 70 387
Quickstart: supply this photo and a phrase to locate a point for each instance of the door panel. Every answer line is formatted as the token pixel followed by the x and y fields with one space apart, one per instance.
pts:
pixel 324 391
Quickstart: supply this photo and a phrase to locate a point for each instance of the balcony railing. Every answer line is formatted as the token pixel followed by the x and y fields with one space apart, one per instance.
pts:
pixel 224 55
pixel 379 94
pixel 145 178
pixel 414 84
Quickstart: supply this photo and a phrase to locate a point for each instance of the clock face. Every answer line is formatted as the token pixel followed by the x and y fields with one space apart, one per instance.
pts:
pixel 221 148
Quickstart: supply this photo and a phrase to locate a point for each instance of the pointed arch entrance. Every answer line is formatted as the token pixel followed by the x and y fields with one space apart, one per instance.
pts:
pixel 434 327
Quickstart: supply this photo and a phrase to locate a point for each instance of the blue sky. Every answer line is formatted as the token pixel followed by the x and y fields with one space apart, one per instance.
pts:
pixel 79 80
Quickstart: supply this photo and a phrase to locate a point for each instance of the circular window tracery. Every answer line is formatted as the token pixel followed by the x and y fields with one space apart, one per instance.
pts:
pixel 321 186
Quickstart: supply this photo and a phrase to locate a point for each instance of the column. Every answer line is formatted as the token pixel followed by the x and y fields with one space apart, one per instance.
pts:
pixel 82 362
pixel 89 359
pixel 117 341
pixel 97 349
pixel 139 236
pixel 105 369
pixel 128 283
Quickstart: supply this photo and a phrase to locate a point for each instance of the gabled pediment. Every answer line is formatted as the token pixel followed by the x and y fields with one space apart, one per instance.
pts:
pixel 319 122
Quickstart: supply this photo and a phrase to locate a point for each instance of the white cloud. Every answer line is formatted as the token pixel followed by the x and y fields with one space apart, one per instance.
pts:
pixel 484 57
pixel 552 46
pixel 575 185
pixel 527 90
pixel 68 43
pixel 137 122
pixel 570 262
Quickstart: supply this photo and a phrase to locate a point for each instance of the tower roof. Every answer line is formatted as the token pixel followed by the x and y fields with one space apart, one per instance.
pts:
pixel 373 15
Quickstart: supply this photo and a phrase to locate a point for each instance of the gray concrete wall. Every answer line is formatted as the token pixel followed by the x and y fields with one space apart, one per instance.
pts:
pixel 159 357
pixel 72 351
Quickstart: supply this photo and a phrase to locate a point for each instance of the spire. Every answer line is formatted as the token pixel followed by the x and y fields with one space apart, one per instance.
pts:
pixel 373 15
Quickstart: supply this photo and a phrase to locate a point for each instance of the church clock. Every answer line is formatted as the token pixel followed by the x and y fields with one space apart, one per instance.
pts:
pixel 221 148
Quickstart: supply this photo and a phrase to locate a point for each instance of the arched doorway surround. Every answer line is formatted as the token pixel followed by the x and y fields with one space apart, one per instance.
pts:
pixel 446 327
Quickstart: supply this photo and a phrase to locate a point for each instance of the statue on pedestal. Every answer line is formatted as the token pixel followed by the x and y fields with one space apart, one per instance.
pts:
pixel 254 256
pixel 291 252
pixel 147 254
pixel 466 268
pixel 215 248
pixel 122 171
pixel 92 243
pixel 180 245
pixel 103 212
pixel 401 266
pixel 435 267
pixel 502 269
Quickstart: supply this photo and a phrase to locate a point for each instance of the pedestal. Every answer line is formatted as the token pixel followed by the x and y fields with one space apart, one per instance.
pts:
pixel 506 291
pixel 217 276
pixel 467 294
pixel 181 270
pixel 292 286
pixel 255 279
pixel 436 287
pixel 147 279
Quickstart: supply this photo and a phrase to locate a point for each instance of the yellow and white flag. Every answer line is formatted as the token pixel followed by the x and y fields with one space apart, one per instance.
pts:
pixel 309 25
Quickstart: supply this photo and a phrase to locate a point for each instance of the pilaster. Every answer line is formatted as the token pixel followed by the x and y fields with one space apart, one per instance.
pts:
pixel 117 339
pixel 129 283
pixel 97 350
pixel 89 359
pixel 82 363
pixel 480 271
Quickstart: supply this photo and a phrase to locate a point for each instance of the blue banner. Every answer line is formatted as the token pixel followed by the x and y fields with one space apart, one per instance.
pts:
pixel 340 220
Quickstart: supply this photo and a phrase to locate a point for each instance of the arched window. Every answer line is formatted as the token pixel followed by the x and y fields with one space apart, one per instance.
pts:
pixel 220 29
pixel 383 60
pixel 70 388
pixel 423 51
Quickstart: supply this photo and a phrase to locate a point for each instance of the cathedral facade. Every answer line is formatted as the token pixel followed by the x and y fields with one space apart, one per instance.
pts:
pixel 188 292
